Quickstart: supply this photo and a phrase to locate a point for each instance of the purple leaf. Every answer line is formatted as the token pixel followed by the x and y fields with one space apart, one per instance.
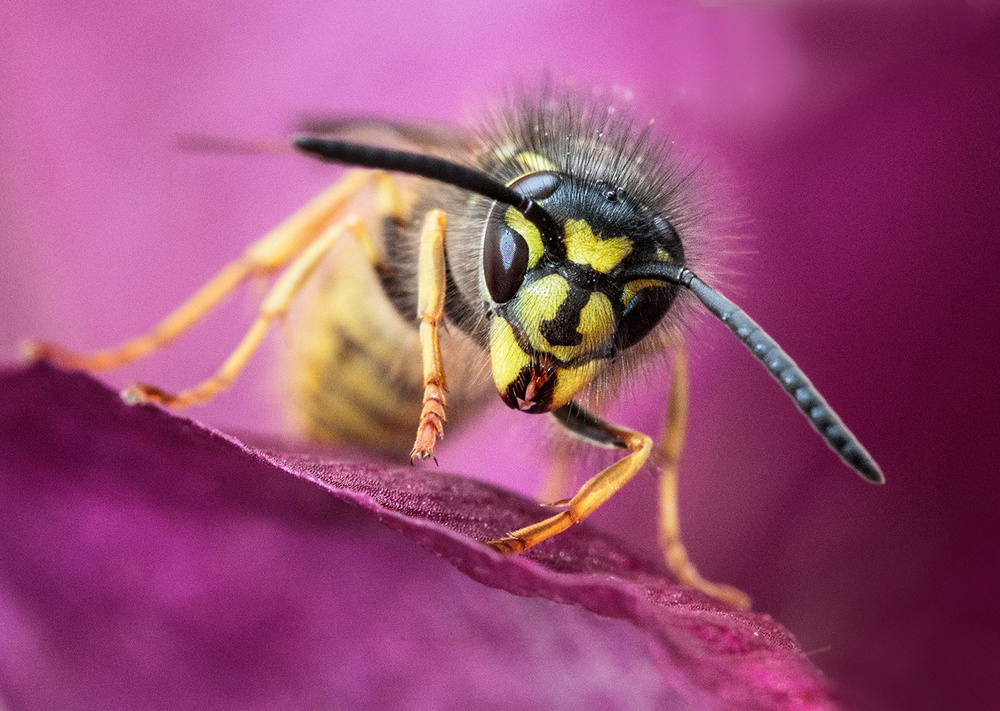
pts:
pixel 147 561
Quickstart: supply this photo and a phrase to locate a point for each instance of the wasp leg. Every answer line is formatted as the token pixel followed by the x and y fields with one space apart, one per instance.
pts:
pixel 264 257
pixel 669 454
pixel 430 310
pixel 274 306
pixel 596 491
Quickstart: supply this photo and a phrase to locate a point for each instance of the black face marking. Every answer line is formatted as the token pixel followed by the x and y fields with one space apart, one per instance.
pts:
pixel 561 330
pixel 582 276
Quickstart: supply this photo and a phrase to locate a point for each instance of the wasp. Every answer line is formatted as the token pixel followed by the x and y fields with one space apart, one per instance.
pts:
pixel 551 244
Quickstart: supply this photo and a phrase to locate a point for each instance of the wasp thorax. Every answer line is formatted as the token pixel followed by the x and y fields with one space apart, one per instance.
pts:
pixel 561 315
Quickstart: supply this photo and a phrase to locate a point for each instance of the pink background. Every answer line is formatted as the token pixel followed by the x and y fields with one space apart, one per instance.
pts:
pixel 857 155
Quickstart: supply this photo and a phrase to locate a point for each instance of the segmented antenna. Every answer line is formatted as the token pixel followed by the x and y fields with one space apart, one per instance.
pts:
pixel 778 363
pixel 444 171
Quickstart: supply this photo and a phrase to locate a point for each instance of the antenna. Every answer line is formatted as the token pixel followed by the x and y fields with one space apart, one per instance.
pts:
pixel 778 363
pixel 439 169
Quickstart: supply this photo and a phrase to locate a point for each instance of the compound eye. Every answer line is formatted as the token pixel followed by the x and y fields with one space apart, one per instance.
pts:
pixel 643 313
pixel 538 186
pixel 667 238
pixel 505 252
pixel 505 257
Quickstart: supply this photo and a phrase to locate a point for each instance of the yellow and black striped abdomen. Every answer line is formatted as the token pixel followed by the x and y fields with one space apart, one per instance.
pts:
pixel 353 363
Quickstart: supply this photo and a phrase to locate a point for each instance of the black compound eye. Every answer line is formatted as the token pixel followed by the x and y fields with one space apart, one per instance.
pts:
pixel 505 252
pixel 538 186
pixel 505 257
pixel 666 236
pixel 642 314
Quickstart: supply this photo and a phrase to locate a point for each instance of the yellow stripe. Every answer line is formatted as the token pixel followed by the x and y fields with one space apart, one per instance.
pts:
pixel 506 356
pixel 584 247
pixel 520 224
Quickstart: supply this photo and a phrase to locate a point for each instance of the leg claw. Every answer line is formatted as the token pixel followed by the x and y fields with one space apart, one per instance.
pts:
pixel 423 455
pixel 141 393
pixel 507 545
pixel 31 351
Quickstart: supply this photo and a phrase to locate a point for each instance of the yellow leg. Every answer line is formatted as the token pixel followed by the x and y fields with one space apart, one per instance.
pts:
pixel 591 495
pixel 671 445
pixel 265 257
pixel 275 305
pixel 430 309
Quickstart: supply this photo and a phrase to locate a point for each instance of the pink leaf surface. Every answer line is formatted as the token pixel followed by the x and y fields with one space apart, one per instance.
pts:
pixel 851 154
pixel 147 561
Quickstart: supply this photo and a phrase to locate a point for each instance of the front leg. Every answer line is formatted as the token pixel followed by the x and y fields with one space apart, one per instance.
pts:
pixel 596 491
pixel 431 286
pixel 600 488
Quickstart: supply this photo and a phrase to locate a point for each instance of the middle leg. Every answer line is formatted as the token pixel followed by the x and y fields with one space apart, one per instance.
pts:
pixel 669 451
pixel 593 493
pixel 275 306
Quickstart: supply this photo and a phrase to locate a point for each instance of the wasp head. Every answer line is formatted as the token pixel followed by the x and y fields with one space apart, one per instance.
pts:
pixel 562 304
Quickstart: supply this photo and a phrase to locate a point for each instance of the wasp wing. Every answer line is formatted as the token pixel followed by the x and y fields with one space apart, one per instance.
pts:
pixel 426 137
pixel 438 139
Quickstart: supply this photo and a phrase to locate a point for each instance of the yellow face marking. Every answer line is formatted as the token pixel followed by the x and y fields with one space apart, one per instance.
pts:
pixel 597 320
pixel 509 361
pixel 584 247
pixel 534 162
pixel 520 224
pixel 663 255
pixel 539 302
pixel 506 356
pixel 570 381
pixel 634 287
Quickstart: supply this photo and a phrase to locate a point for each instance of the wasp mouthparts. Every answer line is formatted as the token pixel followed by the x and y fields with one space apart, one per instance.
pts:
pixel 532 390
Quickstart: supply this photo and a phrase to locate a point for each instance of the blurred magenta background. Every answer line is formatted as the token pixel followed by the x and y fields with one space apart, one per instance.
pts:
pixel 854 154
